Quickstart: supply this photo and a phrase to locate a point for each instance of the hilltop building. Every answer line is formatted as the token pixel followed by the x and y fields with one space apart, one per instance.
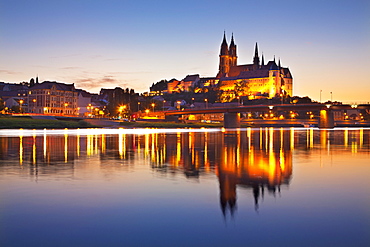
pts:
pixel 253 79
pixel 258 79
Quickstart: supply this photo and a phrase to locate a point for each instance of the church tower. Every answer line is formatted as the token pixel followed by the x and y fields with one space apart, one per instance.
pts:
pixel 232 52
pixel 256 59
pixel 224 67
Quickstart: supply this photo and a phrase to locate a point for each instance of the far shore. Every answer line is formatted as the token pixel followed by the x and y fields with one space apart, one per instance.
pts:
pixel 74 123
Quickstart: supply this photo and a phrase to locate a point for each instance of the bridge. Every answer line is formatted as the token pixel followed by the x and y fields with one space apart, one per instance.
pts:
pixel 232 114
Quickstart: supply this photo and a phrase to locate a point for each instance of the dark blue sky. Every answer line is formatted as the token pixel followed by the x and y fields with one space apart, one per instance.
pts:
pixel 132 44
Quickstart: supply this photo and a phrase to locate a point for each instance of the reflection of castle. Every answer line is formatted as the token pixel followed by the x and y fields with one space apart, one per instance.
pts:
pixel 252 160
pixel 259 160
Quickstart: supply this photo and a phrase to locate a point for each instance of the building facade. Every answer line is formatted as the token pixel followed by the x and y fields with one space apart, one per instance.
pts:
pixel 258 79
pixel 252 80
pixel 50 97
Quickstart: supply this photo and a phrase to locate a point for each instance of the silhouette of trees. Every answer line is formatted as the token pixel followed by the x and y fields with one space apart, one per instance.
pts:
pixel 121 97
pixel 160 86
pixel 2 104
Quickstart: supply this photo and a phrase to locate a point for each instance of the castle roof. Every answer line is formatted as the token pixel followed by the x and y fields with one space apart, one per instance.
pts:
pixel 271 65
pixel 191 77
pixel 247 72
pixel 260 73
pixel 236 70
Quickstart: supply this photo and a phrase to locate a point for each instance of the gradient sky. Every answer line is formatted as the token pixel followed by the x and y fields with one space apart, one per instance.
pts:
pixel 104 44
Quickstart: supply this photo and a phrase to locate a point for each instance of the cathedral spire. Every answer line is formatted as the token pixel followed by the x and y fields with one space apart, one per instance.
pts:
pixel 232 52
pixel 256 51
pixel 232 39
pixel 224 46
pixel 263 61
pixel 256 59
pixel 224 66
pixel 279 63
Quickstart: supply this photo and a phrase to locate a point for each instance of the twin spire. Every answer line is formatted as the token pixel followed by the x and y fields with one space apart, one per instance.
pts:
pixel 228 50
pixel 231 50
pixel 228 56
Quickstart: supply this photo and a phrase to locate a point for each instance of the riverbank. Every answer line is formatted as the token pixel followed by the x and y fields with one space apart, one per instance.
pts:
pixel 27 122
pixel 30 123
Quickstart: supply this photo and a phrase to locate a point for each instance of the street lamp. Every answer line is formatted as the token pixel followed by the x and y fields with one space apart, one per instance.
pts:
pixel 65 108
pixel 153 106
pixel 138 106
pixel 89 108
pixel 34 105
pixel 164 101
pixel 20 105
pixel 120 110
pixel 206 100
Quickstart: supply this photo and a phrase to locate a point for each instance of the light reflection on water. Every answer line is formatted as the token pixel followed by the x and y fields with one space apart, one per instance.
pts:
pixel 283 174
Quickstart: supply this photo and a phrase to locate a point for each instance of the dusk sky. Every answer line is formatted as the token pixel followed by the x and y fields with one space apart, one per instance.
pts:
pixel 105 44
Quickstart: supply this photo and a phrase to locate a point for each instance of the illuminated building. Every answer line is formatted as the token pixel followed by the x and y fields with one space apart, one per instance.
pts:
pixel 50 97
pixel 253 80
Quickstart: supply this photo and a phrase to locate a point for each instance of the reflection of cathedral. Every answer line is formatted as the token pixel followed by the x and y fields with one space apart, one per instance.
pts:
pixel 256 160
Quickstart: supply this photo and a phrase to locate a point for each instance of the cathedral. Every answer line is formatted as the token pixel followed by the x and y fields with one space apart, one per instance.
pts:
pixel 255 80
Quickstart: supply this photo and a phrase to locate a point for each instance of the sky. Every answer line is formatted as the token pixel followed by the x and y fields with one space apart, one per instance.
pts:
pixel 107 44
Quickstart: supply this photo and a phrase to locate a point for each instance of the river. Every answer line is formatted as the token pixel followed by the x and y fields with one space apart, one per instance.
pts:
pixel 183 187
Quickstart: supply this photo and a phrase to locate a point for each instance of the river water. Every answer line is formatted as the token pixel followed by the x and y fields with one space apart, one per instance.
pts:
pixel 204 187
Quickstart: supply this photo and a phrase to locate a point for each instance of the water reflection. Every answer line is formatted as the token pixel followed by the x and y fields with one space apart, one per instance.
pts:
pixel 255 160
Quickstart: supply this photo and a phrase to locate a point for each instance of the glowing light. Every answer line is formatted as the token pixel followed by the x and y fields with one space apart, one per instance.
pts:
pixel 45 143
pixel 34 150
pixel 20 147
pixel 66 147
pixel 291 138
pixel 120 145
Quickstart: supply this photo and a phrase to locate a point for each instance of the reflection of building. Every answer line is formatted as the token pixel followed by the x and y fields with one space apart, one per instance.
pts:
pixel 256 160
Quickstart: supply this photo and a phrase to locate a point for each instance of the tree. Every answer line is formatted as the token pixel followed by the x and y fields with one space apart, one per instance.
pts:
pixel 241 88
pixel 2 104
pixel 159 86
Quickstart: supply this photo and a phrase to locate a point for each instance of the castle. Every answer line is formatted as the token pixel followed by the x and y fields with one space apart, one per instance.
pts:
pixel 232 80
